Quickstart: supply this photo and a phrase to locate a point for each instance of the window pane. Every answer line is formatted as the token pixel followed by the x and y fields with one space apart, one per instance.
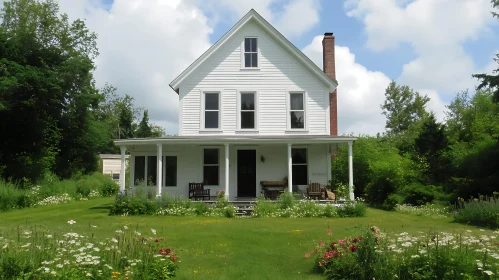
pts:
pixel 140 165
pixel 247 119
pixel 253 46
pixel 296 101
pixel 171 171
pixel 211 119
pixel 247 60
pixel 210 175
pixel 210 156
pixel 254 62
pixel 297 120
pixel 299 175
pixel 247 101
pixel 247 42
pixel 211 101
pixel 116 176
pixel 299 155
pixel 152 169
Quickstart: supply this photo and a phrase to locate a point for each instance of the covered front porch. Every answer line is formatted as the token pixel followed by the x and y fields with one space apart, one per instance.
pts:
pixel 236 165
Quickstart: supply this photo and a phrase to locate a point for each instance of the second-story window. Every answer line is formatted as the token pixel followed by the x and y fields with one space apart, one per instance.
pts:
pixel 297 110
pixel 248 110
pixel 211 110
pixel 250 53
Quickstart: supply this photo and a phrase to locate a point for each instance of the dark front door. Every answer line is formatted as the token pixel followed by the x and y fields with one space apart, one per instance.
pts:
pixel 246 173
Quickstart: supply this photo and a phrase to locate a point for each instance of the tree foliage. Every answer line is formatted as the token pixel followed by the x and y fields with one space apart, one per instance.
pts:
pixel 403 107
pixel 54 119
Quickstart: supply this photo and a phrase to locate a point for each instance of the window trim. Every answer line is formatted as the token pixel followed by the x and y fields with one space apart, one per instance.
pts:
pixel 203 164
pixel 288 111
pixel 258 55
pixel 302 164
pixel 203 110
pixel 239 118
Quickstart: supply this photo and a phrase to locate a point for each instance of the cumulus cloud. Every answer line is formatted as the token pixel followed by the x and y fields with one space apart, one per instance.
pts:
pixel 360 91
pixel 436 30
pixel 291 18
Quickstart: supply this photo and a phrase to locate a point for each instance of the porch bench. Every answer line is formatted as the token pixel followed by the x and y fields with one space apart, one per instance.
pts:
pixel 316 190
pixel 272 189
pixel 196 190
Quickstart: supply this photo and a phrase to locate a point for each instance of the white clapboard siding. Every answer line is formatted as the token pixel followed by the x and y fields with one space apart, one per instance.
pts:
pixel 279 73
pixel 111 165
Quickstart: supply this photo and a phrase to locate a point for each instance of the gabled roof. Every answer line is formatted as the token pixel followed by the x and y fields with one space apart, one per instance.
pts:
pixel 252 14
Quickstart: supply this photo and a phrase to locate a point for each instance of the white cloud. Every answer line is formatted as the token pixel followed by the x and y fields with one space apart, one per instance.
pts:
pixel 143 46
pixel 360 91
pixel 291 18
pixel 436 30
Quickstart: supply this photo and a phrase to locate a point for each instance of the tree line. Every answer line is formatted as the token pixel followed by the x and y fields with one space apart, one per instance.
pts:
pixel 418 159
pixel 53 118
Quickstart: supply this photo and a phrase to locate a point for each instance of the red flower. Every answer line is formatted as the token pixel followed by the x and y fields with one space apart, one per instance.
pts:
pixel 173 257
pixel 353 248
pixel 355 240
pixel 165 252
pixel 156 240
pixel 322 243
pixel 307 255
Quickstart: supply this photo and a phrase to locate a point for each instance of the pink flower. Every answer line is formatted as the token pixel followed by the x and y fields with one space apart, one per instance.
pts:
pixel 322 243
pixel 341 241
pixel 307 255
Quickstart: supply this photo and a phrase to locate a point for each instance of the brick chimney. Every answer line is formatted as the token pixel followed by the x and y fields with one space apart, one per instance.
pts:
pixel 329 68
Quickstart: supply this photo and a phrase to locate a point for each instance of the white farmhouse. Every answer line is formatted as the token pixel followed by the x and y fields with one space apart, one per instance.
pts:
pixel 253 108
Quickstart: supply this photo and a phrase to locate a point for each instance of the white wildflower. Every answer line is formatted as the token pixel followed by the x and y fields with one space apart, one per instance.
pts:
pixel 71 222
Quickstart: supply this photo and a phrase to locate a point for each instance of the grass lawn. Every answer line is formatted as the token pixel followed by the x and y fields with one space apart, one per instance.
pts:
pixel 221 248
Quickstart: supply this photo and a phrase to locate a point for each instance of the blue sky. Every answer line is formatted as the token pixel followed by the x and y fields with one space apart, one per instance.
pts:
pixel 433 46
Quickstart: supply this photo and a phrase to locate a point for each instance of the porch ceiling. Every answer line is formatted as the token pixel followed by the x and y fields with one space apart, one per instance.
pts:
pixel 238 139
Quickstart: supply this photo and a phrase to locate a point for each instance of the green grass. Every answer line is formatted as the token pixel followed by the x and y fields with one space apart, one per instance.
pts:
pixel 221 248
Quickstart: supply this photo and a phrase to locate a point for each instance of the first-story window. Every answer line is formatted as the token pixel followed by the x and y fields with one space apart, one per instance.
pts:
pixel 210 167
pixel 211 110
pixel 247 110
pixel 152 170
pixel 296 110
pixel 140 169
pixel 170 171
pixel 116 176
pixel 300 167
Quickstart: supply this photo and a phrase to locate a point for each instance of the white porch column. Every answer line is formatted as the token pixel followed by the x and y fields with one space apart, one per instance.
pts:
pixel 122 170
pixel 226 171
pixel 159 175
pixel 132 171
pixel 350 171
pixel 290 169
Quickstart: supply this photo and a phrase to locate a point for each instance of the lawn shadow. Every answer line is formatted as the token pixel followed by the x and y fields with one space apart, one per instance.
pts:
pixel 102 207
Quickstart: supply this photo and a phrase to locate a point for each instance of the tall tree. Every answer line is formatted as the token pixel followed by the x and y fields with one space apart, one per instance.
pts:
pixel 403 107
pixel 46 91
pixel 487 80
pixel 430 145
pixel 144 129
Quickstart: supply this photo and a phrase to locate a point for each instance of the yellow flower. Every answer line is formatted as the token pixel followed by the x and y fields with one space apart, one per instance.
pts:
pixel 195 271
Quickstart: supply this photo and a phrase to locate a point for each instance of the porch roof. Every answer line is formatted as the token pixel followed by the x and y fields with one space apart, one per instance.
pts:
pixel 237 139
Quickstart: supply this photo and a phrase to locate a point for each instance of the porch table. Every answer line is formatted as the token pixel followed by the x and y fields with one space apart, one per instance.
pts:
pixel 272 189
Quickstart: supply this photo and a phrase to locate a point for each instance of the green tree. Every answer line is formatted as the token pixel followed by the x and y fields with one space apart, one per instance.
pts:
pixel 46 91
pixel 144 129
pixel 403 107
pixel 486 80
pixel 430 146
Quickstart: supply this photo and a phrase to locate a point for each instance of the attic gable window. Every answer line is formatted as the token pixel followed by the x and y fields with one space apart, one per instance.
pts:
pixel 250 52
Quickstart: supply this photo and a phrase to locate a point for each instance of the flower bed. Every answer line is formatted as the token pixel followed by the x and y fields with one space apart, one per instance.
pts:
pixel 374 255
pixel 129 254
pixel 429 210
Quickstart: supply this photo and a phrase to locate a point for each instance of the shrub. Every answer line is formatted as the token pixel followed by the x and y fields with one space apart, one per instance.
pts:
pixel 264 207
pixel 375 255
pixel 418 194
pixel 482 211
pixel 136 204
pixel 350 210
pixel 286 200
pixel 200 208
pixel 391 201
